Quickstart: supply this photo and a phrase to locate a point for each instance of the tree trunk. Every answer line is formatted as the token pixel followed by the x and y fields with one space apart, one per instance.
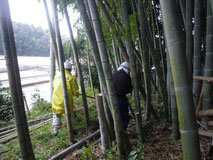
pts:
pixel 175 43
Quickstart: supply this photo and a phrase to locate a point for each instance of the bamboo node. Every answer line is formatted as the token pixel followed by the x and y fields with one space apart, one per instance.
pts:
pixel 187 132
pixel 179 89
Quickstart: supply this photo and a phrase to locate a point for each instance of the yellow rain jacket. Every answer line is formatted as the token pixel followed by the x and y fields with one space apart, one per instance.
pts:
pixel 58 98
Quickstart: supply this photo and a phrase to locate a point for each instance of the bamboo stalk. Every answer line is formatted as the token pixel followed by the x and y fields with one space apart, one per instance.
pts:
pixel 186 111
pixel 197 51
pixel 119 131
pixel 52 35
pixel 132 58
pixel 61 60
pixel 76 53
pixel 14 81
pixel 208 71
pixel 93 44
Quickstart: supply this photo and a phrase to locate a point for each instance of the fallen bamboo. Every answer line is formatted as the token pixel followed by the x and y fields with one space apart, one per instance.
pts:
pixel 205 133
pixel 12 136
pixel 88 96
pixel 203 113
pixel 200 101
pixel 29 122
pixel 65 152
pixel 210 123
pixel 201 78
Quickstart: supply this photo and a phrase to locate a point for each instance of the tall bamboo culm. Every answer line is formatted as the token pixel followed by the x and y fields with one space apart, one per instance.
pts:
pixel 132 58
pixel 119 130
pixel 14 81
pixel 76 53
pixel 188 28
pixel 197 51
pixel 63 78
pixel 52 33
pixel 208 72
pixel 93 44
pixel 174 112
pixel 145 59
pixel 186 112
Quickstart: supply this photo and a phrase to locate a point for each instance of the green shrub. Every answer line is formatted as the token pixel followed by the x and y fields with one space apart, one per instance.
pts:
pixel 6 110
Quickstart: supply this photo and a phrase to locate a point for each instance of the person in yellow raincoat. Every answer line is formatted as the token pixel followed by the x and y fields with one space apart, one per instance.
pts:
pixel 58 98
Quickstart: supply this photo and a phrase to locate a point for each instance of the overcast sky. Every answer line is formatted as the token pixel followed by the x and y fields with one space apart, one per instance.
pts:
pixel 32 12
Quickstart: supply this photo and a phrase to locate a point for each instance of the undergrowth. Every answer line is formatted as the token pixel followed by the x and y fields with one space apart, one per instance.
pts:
pixel 45 145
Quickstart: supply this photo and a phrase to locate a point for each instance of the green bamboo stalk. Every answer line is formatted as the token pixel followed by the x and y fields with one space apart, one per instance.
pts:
pixel 76 53
pixel 115 50
pixel 208 72
pixel 162 53
pixel 197 51
pixel 52 70
pixel 188 28
pixel 155 60
pixel 61 60
pixel 182 4
pixel 119 130
pixel 145 59
pixel 175 123
pixel 14 81
pixel 52 35
pixel 93 43
pixel 90 73
pixel 132 56
pixel 175 43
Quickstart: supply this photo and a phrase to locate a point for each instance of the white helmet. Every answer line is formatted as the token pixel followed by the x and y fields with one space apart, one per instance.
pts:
pixel 125 67
pixel 67 65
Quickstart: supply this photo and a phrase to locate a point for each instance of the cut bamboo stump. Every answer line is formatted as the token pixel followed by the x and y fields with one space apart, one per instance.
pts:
pixel 104 128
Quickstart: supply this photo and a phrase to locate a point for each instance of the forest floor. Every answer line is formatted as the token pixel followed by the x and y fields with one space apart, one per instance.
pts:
pixel 158 145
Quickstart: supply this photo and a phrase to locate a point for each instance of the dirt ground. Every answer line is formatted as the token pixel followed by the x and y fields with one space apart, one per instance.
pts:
pixel 158 144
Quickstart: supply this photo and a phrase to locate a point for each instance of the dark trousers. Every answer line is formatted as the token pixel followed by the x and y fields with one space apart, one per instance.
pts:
pixel 124 110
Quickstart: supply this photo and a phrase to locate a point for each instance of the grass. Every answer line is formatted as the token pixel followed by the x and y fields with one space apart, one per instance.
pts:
pixel 44 144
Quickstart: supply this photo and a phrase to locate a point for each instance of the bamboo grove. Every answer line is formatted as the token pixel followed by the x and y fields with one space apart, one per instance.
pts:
pixel 169 46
